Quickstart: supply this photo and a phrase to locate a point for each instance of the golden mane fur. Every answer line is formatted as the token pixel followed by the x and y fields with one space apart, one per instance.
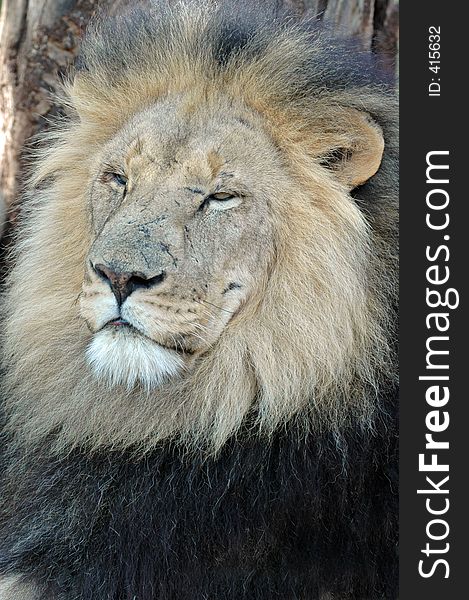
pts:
pixel 316 347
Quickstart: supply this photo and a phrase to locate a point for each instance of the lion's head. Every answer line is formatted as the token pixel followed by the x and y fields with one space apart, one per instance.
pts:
pixel 182 236
pixel 210 235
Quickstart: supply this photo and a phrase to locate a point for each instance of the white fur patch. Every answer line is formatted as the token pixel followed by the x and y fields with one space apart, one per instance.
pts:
pixel 123 357
pixel 13 588
pixel 105 308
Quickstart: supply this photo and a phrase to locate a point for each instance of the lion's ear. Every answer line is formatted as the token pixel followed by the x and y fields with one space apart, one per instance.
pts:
pixel 352 147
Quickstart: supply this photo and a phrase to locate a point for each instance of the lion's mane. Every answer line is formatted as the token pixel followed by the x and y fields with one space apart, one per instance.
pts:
pixel 287 491
pixel 319 347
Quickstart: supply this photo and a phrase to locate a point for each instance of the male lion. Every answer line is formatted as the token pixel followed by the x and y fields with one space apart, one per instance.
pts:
pixel 199 333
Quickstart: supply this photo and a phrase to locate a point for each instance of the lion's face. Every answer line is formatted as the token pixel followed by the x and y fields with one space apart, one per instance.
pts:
pixel 182 238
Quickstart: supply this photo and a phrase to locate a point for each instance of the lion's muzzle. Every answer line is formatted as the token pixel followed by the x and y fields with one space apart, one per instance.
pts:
pixel 124 283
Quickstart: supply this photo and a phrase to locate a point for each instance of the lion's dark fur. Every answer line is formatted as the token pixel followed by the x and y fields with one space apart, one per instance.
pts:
pixel 294 516
pixel 282 520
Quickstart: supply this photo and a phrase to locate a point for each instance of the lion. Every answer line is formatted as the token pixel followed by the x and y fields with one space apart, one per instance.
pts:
pixel 3 214
pixel 199 344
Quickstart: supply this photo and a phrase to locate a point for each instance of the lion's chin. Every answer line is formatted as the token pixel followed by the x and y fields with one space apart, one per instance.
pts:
pixel 129 359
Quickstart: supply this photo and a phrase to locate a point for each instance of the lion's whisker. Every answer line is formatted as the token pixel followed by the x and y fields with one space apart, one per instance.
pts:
pixel 231 312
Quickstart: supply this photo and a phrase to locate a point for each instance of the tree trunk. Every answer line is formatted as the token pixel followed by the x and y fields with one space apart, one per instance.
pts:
pixel 39 38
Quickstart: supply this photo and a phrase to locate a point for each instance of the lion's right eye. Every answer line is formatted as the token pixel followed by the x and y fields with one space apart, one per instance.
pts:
pixel 120 179
pixel 111 177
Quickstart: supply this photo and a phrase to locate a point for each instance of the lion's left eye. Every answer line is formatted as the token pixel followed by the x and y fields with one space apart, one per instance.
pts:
pixel 221 197
pixel 220 201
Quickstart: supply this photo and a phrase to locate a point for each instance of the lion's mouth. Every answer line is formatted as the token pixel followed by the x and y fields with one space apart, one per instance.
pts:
pixel 176 347
pixel 119 323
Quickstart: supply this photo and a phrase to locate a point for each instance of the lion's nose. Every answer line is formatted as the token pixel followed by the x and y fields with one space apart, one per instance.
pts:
pixel 123 284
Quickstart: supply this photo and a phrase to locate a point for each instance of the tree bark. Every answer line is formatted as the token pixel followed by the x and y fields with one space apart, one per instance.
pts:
pixel 39 38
